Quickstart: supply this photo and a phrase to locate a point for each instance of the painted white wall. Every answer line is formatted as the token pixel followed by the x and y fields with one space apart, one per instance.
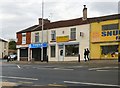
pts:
pixel 83 41
pixel 3 44
pixel 45 36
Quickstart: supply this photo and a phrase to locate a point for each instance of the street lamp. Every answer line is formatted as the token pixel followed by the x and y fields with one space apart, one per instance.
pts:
pixel 42 30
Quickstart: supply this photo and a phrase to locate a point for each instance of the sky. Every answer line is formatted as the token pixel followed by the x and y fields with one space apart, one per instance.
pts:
pixel 16 15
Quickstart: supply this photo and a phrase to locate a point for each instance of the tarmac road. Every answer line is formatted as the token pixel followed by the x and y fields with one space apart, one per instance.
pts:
pixel 63 75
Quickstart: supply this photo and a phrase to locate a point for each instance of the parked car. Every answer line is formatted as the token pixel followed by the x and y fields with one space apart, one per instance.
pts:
pixel 12 57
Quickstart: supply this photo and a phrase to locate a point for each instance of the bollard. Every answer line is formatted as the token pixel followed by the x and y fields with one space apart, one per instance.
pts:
pixel 78 57
pixel 119 57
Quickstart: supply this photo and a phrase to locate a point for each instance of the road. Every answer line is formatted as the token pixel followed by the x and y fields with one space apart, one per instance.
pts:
pixel 60 75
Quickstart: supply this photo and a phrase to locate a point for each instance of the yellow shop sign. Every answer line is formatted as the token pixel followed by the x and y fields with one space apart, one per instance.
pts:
pixel 109 35
pixel 62 38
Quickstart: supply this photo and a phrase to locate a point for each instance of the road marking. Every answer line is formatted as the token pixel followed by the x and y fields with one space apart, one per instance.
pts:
pixel 78 66
pixel 24 82
pixel 57 85
pixel 95 84
pixel 18 66
pixel 19 78
pixel 101 68
pixel 55 68
pixel 62 69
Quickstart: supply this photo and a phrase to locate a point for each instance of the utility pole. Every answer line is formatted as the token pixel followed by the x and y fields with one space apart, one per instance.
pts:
pixel 119 29
pixel 42 30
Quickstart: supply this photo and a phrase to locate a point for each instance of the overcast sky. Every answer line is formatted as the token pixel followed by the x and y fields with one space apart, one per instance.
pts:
pixel 16 15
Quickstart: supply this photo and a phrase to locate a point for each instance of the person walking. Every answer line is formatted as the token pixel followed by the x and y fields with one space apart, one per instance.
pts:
pixel 87 54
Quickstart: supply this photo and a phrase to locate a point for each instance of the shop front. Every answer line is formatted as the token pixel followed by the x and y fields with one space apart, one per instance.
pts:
pixel 22 52
pixel 104 40
pixel 36 51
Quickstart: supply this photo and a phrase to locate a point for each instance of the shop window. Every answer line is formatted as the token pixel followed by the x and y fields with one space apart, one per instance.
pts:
pixel 52 51
pixel 110 27
pixel 37 37
pixel 73 33
pixel 53 35
pixel 71 50
pixel 110 51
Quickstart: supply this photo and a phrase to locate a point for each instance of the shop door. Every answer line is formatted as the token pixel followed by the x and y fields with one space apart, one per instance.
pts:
pixel 61 53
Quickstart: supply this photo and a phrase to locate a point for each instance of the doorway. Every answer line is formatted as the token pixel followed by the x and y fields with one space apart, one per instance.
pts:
pixel 61 53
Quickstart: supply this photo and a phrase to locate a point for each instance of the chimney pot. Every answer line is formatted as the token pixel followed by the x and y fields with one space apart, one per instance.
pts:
pixel 84 13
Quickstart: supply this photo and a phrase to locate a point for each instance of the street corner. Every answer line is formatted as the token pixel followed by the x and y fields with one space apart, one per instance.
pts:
pixel 8 84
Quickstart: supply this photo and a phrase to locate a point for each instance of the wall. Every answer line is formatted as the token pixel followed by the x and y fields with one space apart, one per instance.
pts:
pixel 45 36
pixel 19 38
pixel 3 49
pixel 65 31
pixel 97 39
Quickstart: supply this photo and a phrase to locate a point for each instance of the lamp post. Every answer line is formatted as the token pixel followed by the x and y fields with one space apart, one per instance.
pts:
pixel 119 35
pixel 42 30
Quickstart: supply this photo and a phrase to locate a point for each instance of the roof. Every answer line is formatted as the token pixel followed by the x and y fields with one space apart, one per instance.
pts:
pixel 28 29
pixel 71 22
pixel 104 18
pixel 2 39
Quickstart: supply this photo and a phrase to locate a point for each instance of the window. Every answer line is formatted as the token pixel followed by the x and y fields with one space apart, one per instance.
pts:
pixel 73 34
pixel 23 38
pixel 52 51
pixel 72 50
pixel 37 37
pixel 109 50
pixel 110 27
pixel 53 35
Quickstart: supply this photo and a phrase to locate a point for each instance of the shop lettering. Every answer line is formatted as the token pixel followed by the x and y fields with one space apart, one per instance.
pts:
pixel 117 37
pixel 111 33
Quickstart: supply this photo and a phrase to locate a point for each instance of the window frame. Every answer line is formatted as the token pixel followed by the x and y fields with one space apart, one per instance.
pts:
pixel 72 33
pixel 110 26
pixel 52 55
pixel 23 38
pixel 37 37
pixel 53 35
pixel 73 45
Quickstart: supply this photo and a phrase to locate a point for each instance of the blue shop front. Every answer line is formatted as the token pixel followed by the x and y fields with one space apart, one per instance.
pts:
pixel 36 51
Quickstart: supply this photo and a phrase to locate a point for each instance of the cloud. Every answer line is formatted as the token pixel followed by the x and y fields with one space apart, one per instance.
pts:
pixel 104 8
pixel 17 15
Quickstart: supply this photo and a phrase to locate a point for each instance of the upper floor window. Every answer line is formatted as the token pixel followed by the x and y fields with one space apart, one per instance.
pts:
pixel 23 38
pixel 53 35
pixel 73 33
pixel 37 37
pixel 110 27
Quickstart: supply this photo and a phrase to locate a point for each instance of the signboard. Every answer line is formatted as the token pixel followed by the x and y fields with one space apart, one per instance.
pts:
pixel 108 35
pixel 38 45
pixel 62 38
pixel 20 46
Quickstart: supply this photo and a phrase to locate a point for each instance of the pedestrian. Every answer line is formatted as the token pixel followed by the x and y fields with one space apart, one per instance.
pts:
pixel 87 54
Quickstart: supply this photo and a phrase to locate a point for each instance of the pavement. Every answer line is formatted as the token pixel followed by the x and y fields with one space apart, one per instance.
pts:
pixel 88 63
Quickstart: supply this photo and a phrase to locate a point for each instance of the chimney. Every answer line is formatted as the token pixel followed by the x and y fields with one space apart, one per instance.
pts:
pixel 44 21
pixel 84 13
